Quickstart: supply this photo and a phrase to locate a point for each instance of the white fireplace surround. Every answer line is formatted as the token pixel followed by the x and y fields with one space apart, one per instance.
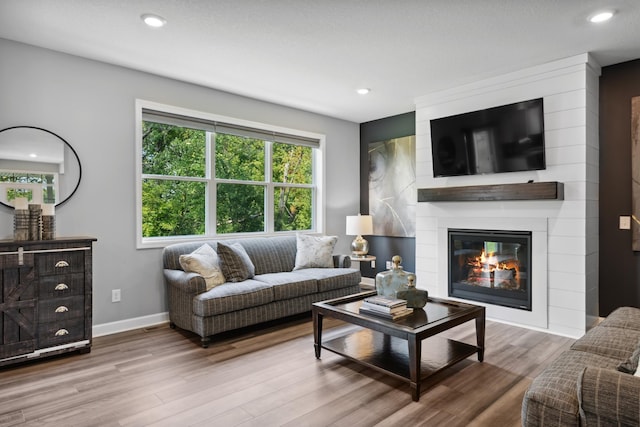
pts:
pixel 537 317
pixel 564 232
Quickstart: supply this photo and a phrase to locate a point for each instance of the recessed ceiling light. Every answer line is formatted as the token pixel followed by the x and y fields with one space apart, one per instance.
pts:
pixel 363 91
pixel 601 16
pixel 33 155
pixel 154 21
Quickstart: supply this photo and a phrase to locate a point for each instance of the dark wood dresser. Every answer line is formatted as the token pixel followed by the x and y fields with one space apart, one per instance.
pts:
pixel 45 298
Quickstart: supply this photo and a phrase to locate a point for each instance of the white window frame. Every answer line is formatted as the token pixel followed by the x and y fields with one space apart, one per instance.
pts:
pixel 319 210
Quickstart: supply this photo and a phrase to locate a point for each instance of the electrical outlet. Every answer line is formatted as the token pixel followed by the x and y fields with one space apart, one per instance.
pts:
pixel 373 264
pixel 388 265
pixel 625 222
pixel 115 295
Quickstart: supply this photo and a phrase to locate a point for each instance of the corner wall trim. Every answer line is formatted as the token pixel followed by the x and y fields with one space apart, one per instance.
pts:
pixel 129 324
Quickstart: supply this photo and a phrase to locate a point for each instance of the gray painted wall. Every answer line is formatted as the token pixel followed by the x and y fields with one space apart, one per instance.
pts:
pixel 91 105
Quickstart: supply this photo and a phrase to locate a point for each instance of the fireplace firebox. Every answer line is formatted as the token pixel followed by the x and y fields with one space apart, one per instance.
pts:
pixel 491 266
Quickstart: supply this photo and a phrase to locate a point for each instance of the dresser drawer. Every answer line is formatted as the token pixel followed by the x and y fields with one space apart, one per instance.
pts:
pixel 60 263
pixel 62 332
pixel 57 309
pixel 62 285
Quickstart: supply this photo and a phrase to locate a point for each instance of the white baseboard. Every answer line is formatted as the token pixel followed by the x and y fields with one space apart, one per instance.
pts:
pixel 129 324
pixel 534 328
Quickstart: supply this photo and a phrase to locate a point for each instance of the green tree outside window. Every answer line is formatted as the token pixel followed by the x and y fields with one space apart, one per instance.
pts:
pixel 176 185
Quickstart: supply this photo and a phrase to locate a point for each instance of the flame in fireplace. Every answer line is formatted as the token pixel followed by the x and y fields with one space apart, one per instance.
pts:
pixel 485 262
pixel 487 270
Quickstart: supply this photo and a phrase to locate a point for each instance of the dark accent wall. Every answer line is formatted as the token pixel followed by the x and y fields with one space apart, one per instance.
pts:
pixel 619 266
pixel 383 248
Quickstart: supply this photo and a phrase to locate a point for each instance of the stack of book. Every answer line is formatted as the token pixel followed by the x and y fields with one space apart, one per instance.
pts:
pixel 388 308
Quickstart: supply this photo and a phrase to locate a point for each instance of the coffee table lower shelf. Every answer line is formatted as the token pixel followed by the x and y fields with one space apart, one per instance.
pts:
pixel 390 355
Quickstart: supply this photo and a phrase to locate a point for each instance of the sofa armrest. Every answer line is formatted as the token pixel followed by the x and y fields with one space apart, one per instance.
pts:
pixel 607 396
pixel 190 283
pixel 341 261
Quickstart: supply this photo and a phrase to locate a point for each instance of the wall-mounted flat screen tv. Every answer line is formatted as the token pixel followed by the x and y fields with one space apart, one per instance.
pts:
pixel 509 138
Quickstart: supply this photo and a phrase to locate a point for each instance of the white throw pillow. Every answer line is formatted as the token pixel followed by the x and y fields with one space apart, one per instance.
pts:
pixel 204 261
pixel 314 251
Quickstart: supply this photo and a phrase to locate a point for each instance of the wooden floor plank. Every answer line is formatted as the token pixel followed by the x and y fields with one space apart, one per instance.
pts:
pixel 267 376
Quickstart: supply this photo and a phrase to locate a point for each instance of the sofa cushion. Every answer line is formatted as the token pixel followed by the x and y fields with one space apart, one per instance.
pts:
pixel 332 278
pixel 203 261
pixel 314 251
pixel 271 254
pixel 230 297
pixel 623 317
pixel 617 343
pixel 235 262
pixel 553 393
pixel 289 284
pixel 608 398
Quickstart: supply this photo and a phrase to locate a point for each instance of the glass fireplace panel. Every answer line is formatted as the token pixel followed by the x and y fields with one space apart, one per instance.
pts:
pixel 491 266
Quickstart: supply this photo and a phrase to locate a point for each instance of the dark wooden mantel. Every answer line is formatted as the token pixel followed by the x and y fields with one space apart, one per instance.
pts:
pixel 552 190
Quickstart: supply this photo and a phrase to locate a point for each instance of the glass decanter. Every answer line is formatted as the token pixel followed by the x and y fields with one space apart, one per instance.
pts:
pixel 391 281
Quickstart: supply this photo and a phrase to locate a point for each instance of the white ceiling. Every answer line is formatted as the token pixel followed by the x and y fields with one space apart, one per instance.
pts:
pixel 314 54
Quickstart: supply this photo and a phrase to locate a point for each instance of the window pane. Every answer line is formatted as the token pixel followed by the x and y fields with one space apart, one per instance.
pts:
pixel 13 193
pixel 172 208
pixel 173 150
pixel 240 208
pixel 29 184
pixel 239 158
pixel 292 207
pixel 292 164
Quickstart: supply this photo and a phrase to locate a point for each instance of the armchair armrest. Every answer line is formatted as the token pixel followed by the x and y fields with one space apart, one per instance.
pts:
pixel 189 283
pixel 341 261
pixel 608 397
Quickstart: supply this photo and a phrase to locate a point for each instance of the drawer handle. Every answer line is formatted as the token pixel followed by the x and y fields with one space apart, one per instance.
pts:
pixel 62 309
pixel 61 264
pixel 61 287
pixel 61 332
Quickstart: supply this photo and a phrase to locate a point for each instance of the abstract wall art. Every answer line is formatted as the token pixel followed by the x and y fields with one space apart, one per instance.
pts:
pixel 635 172
pixel 392 187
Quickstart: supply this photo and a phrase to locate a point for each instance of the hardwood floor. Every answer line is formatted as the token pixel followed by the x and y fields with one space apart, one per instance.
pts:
pixel 267 376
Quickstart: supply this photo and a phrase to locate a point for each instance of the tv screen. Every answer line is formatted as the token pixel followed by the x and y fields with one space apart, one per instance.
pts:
pixel 509 138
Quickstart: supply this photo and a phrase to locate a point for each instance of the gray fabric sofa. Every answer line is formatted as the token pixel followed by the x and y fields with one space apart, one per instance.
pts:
pixel 583 385
pixel 275 291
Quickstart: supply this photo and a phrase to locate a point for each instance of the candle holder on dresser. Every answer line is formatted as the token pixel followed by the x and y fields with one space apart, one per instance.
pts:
pixel 35 217
pixel 48 222
pixel 21 224
pixel 21 218
pixel 48 227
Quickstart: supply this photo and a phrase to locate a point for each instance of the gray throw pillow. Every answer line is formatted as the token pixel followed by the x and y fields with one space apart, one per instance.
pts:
pixel 630 365
pixel 235 263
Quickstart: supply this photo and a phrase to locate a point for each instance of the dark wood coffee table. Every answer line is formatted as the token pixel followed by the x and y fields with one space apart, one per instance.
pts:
pixel 396 347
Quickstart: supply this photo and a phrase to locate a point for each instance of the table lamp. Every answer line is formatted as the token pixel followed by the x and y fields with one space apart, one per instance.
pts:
pixel 358 225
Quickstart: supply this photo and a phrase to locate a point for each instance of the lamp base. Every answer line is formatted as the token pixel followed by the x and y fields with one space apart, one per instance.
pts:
pixel 359 247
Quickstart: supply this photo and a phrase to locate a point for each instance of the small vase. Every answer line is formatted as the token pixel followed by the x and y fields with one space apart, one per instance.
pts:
pixel 416 298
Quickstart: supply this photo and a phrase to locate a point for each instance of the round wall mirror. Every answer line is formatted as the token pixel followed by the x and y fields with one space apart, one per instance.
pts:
pixel 37 164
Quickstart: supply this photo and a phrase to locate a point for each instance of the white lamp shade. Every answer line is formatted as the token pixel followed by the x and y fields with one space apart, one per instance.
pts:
pixel 359 225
